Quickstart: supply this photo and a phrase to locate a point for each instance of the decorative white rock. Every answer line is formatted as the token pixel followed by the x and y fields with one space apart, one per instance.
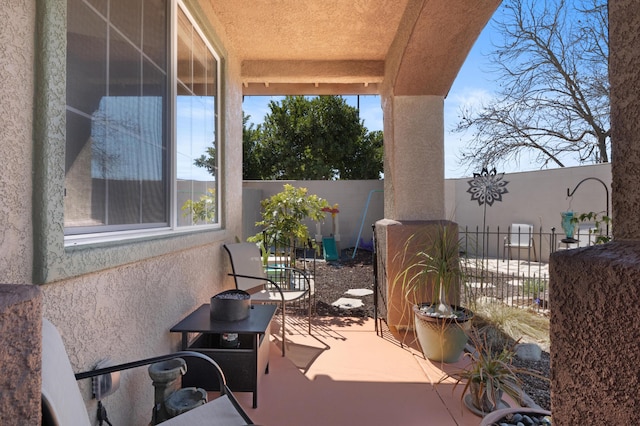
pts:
pixel 528 351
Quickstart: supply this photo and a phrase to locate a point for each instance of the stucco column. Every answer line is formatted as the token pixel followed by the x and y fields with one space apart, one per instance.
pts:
pixel 594 291
pixel 413 193
pixel 624 76
pixel 414 157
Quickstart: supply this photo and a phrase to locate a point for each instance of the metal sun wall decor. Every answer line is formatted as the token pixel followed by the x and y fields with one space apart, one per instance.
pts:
pixel 486 188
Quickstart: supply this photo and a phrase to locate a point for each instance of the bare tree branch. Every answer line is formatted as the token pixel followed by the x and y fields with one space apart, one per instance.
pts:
pixel 553 96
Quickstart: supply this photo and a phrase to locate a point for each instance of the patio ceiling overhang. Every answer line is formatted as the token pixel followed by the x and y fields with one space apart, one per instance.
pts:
pixel 411 47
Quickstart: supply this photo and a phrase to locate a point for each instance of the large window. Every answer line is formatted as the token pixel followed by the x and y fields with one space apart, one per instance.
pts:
pixel 140 147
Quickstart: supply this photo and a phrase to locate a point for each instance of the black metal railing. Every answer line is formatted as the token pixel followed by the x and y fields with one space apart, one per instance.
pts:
pixel 510 265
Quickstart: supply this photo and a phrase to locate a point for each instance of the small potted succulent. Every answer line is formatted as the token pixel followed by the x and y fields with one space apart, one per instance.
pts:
pixel 489 376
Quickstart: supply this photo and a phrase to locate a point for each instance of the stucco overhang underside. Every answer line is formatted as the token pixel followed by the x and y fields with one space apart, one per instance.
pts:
pixel 316 47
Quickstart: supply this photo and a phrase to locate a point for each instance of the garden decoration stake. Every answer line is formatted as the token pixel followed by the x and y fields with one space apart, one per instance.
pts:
pixel 486 188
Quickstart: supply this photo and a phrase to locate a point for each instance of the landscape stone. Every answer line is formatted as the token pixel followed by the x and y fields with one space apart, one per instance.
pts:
pixel 529 351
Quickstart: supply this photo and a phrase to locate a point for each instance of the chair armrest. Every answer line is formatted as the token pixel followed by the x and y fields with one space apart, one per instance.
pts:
pixel 262 279
pixel 224 389
pixel 147 361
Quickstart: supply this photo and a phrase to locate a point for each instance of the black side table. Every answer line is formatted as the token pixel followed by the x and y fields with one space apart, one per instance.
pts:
pixel 244 365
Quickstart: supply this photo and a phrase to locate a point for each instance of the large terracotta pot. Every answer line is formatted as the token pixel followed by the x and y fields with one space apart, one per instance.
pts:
pixel 442 339
pixel 496 416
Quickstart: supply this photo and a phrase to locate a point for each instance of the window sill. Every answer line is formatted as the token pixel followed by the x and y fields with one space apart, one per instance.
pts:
pixel 123 237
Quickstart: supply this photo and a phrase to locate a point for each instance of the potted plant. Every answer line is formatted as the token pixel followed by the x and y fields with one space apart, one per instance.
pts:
pixel 432 263
pixel 283 216
pixel 598 220
pixel 489 376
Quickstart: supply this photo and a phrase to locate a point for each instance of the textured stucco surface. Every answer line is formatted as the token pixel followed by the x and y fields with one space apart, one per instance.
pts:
pixel 422 43
pixel 594 291
pixel 426 59
pixel 16 148
pixel 398 242
pixel 49 139
pixel 20 353
pixel 115 300
pixel 624 62
pixel 125 314
pixel 414 157
pixel 595 333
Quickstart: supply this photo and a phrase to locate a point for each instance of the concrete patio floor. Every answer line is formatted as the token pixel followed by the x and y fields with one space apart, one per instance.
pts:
pixel 346 374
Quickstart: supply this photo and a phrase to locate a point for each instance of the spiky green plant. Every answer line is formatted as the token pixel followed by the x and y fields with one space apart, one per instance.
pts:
pixel 437 258
pixel 490 374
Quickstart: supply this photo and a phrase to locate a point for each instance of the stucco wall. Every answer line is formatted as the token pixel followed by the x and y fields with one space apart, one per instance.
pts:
pixel 594 334
pixel 624 63
pixel 121 309
pixel 594 337
pixel 125 312
pixel 413 153
pixel 19 305
pixel 535 197
pixel 17 30
pixel 351 196
pixel 398 241
pixel 20 353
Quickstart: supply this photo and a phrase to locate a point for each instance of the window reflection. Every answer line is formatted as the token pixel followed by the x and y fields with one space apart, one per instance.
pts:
pixel 197 163
pixel 116 174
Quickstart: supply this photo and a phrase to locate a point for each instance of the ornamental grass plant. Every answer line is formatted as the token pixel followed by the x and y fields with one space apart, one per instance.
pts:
pixel 490 373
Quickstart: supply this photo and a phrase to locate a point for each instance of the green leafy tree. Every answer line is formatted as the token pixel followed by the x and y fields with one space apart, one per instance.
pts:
pixel 251 150
pixel 252 159
pixel 203 210
pixel 208 161
pixel 318 138
pixel 553 100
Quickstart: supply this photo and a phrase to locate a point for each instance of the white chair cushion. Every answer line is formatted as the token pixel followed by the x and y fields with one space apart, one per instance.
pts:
pixel 220 411
pixel 59 387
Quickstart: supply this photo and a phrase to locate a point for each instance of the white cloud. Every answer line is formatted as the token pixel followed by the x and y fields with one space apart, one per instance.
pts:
pixel 472 97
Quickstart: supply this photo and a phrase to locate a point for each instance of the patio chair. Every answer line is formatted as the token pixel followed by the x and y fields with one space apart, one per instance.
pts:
pixel 250 275
pixel 62 403
pixel 520 237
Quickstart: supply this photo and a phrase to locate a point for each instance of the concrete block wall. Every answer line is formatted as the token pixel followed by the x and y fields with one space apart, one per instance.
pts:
pixel 535 197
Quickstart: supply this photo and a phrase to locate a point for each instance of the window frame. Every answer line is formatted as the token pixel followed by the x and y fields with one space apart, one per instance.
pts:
pixel 54 256
pixel 218 122
pixel 97 234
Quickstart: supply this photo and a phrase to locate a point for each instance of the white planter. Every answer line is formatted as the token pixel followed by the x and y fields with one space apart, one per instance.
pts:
pixel 442 339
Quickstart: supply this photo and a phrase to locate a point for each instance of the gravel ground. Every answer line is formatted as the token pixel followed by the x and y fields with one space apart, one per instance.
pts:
pixel 333 279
